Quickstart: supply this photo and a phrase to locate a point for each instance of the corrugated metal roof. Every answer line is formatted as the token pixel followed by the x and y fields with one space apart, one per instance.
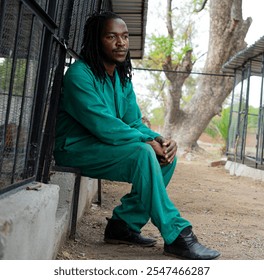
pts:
pixel 134 14
pixel 252 54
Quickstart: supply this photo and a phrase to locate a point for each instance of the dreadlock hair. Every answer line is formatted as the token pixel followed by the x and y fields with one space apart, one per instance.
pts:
pixel 91 50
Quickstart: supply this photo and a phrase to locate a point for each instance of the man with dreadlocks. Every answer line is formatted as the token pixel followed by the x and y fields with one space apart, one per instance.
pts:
pixel 99 130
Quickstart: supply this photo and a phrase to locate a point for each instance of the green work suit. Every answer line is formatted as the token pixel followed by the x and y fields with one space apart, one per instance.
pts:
pixel 99 129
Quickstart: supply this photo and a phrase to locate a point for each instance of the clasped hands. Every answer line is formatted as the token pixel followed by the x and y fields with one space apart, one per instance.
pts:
pixel 165 149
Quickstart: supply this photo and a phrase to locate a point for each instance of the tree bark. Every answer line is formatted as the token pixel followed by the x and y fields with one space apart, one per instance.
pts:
pixel 174 113
pixel 227 33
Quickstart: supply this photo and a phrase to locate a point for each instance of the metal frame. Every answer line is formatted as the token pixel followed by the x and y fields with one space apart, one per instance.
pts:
pixel 244 73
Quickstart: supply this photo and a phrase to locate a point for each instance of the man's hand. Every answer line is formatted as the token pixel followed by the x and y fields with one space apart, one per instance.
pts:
pixel 170 149
pixel 156 147
pixel 166 151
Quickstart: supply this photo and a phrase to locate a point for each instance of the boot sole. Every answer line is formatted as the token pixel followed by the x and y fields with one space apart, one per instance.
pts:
pixel 184 258
pixel 116 242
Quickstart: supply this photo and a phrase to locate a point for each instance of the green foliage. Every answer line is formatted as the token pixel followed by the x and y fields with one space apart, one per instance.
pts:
pixel 164 46
pixel 157 116
pixel 177 43
pixel 161 46
pixel 218 127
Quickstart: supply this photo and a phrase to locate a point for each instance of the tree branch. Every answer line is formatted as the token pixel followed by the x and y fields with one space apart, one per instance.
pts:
pixel 236 10
pixel 236 14
pixel 202 7
pixel 169 23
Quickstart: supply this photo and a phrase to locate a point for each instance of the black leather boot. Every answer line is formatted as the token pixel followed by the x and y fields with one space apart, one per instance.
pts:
pixel 186 246
pixel 117 232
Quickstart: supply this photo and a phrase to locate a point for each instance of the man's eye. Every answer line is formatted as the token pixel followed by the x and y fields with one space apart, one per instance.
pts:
pixel 111 37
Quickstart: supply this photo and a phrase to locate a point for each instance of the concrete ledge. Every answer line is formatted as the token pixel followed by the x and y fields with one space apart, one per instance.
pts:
pixel 27 223
pixel 239 169
pixel 88 189
pixel 35 220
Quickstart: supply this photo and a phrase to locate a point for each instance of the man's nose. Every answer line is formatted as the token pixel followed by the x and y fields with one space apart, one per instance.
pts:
pixel 121 41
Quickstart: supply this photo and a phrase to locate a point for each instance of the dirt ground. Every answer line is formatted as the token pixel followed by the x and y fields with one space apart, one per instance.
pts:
pixel 226 212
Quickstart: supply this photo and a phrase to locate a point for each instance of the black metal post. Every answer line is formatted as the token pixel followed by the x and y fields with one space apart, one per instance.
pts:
pixel 48 140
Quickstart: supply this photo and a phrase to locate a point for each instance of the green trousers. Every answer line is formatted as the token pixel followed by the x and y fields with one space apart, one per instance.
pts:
pixel 134 163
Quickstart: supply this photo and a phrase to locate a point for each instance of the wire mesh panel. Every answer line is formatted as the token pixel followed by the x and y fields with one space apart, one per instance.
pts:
pixel 19 55
pixel 79 16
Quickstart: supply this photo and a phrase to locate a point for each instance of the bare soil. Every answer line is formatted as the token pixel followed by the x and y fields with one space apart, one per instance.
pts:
pixel 226 212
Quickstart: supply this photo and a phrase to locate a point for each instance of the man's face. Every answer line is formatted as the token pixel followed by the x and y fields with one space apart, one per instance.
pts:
pixel 115 42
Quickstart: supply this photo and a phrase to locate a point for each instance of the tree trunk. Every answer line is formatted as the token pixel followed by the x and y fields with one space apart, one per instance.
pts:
pixel 227 33
pixel 174 114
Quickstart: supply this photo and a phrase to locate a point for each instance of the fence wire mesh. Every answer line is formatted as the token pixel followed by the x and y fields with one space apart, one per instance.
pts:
pixel 19 53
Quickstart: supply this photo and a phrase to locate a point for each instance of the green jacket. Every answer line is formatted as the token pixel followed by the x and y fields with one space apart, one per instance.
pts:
pixel 92 110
